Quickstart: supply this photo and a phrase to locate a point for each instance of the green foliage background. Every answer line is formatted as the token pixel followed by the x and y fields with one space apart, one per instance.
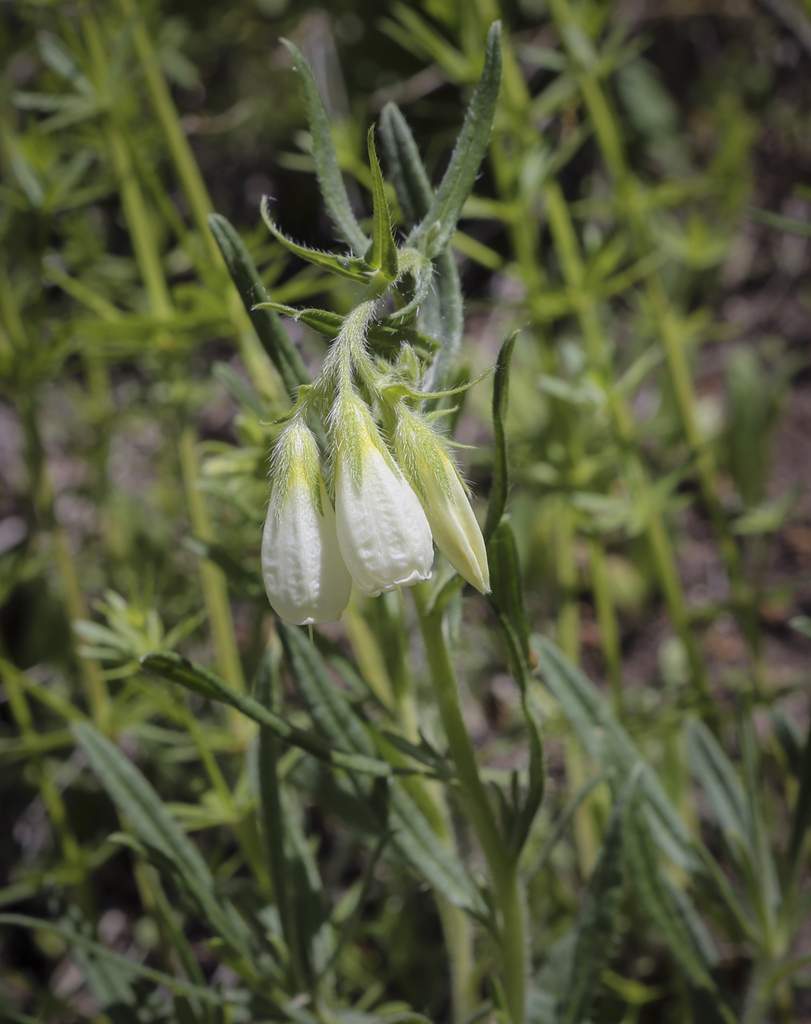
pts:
pixel 255 829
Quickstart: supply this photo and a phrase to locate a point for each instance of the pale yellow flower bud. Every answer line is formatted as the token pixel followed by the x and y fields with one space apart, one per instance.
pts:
pixel 443 496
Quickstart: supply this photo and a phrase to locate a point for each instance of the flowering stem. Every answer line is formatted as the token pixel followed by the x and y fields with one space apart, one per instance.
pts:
pixel 502 866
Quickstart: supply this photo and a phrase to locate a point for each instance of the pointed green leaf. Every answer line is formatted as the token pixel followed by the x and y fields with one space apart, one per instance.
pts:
pixel 345 266
pixel 533 798
pixel 60 59
pixel 501 381
pixel 268 327
pixel 597 920
pixel 136 798
pixel 194 677
pixel 326 162
pixel 382 254
pixel 273 823
pixel 441 313
pixel 436 229
pixel 765 871
pixel 801 817
pixel 406 170
pixel 716 776
pixel 506 593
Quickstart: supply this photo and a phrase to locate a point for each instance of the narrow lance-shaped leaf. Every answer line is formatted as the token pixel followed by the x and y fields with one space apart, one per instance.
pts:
pixel 598 917
pixel 353 269
pixel 273 820
pixel 501 381
pixel 801 818
pixel 406 170
pixel 723 789
pixel 506 597
pixel 382 254
pixel 136 798
pixel 435 230
pixel 326 162
pixel 268 327
pixel 194 677
pixel 656 898
pixel 441 313
pixel 767 882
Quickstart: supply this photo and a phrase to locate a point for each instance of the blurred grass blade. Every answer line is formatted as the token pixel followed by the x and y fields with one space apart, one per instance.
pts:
pixel 765 870
pixel 801 818
pixel 136 799
pixel 245 276
pixel 611 746
pixel 194 677
pixel 723 789
pixel 382 254
pixel 243 580
pixel 405 168
pixel 501 381
pixel 102 952
pixel 326 162
pixel 273 822
pixel 778 221
pixel 643 861
pixel 59 58
pixel 597 920
pixel 436 229
pixel 412 836
pixel 349 924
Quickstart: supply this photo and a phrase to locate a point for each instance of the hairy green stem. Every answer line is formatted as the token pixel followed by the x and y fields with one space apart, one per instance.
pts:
pixel 502 867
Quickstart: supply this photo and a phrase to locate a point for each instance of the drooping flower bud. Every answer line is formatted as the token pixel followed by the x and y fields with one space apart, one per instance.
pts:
pixel 442 493
pixel 305 577
pixel 382 530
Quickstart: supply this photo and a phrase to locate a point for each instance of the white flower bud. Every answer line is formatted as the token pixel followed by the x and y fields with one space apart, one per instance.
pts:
pixel 382 530
pixel 305 577
pixel 443 496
